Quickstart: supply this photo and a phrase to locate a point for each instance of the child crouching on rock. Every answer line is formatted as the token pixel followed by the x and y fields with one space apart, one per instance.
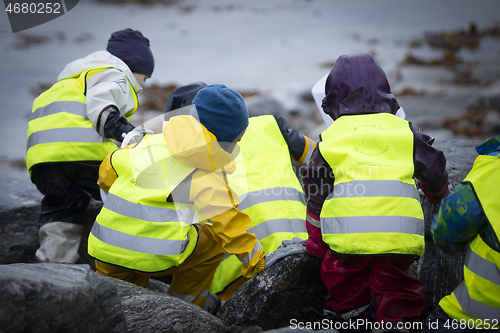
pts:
pixel 364 216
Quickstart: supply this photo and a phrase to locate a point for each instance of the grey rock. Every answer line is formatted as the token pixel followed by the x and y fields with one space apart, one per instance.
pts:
pixel 262 105
pixel 19 211
pixel 293 329
pixel 18 193
pixel 149 311
pixel 19 234
pixel 19 229
pixel 460 156
pixel 58 298
pixel 296 97
pixel 291 289
pixel 293 102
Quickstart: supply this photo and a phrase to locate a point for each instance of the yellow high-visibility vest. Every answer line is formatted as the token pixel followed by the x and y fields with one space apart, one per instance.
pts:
pixel 477 298
pixel 59 129
pixel 269 191
pixel 137 228
pixel 374 207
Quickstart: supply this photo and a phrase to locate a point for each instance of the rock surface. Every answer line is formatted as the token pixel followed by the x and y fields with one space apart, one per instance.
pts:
pixel 58 298
pixel 290 289
pixel 150 311
pixel 73 298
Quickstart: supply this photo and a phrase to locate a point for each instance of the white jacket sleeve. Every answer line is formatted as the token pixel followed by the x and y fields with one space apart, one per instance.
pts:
pixel 107 88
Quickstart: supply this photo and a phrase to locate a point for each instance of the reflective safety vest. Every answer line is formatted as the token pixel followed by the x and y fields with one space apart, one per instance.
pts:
pixel 137 228
pixel 269 191
pixel 374 207
pixel 477 298
pixel 59 129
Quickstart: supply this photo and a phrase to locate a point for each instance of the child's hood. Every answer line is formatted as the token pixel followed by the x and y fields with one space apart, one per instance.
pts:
pixel 97 59
pixel 357 85
pixel 191 143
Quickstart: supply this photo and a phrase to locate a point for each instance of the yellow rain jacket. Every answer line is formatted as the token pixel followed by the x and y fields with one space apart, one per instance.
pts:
pixel 185 153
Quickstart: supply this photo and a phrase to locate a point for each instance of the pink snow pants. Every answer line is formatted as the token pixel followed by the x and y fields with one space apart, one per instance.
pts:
pixel 351 280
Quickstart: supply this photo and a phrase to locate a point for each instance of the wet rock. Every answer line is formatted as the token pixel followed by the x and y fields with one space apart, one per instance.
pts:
pixel 460 156
pixel 295 97
pixel 147 311
pixel 294 102
pixel 291 289
pixel 19 233
pixel 244 329
pixel 58 298
pixel 18 194
pixel 294 329
pixel 19 213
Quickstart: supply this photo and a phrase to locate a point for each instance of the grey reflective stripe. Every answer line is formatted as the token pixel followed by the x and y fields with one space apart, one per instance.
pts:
pixel 148 245
pixel 226 255
pixel 256 248
pixel 473 307
pixel 368 224
pixel 73 107
pixel 374 188
pixel 66 134
pixel 264 229
pixel 271 194
pixel 141 212
pixel 189 298
pixel 313 221
pixel 482 267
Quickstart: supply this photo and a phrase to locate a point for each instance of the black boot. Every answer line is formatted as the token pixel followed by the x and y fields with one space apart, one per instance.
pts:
pixel 212 304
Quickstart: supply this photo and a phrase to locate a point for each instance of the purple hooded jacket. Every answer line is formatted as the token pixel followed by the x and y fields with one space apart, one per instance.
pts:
pixel 358 85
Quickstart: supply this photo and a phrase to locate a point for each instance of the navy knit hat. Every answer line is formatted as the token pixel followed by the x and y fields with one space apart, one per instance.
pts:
pixel 222 111
pixel 133 49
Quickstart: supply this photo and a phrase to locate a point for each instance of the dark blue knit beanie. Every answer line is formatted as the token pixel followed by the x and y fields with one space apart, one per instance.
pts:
pixel 133 49
pixel 222 111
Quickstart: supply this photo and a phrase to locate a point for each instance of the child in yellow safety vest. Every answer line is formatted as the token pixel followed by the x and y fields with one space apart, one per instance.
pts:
pixel 152 185
pixel 364 216
pixel 469 219
pixel 71 130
